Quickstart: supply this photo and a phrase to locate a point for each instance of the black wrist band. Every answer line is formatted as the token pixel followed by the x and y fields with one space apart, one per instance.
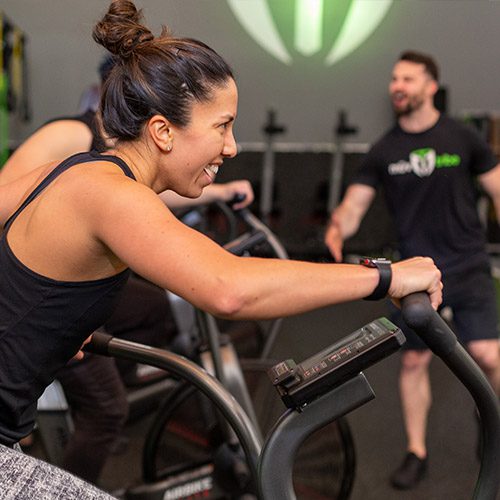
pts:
pixel 385 273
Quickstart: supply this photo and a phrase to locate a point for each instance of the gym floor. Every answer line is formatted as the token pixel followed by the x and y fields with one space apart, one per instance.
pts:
pixel 377 426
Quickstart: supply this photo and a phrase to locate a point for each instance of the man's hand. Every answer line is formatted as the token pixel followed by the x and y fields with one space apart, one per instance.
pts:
pixel 334 240
pixel 346 218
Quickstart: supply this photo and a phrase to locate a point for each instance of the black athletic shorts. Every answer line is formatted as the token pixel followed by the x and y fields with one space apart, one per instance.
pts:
pixel 471 295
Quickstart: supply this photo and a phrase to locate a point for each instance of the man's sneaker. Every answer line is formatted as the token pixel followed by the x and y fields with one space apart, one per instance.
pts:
pixel 411 471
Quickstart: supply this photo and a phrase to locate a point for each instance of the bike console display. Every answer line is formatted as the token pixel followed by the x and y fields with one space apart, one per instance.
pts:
pixel 300 384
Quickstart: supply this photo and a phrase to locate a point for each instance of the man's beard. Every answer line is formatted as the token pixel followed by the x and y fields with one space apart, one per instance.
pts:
pixel 414 104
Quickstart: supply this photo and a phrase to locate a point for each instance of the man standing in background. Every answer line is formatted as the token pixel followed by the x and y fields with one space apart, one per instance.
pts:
pixel 427 165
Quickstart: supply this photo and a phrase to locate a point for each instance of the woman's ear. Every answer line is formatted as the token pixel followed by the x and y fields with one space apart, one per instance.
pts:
pixel 160 131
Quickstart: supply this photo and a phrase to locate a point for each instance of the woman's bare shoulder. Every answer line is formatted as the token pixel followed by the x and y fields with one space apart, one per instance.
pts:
pixel 103 187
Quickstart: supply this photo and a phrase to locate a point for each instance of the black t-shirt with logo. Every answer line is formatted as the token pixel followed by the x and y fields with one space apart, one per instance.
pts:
pixel 429 184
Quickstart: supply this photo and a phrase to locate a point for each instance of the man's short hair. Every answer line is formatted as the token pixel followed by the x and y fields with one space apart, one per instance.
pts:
pixel 419 58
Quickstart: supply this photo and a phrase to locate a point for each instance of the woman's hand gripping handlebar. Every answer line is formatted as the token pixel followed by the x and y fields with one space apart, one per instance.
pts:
pixel 415 275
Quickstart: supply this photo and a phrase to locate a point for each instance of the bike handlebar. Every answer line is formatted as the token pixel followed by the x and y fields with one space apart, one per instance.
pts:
pixel 245 242
pixel 428 324
pixel 237 198
pixel 257 225
pixel 419 315
pixel 106 345
pixel 254 223
pixel 99 344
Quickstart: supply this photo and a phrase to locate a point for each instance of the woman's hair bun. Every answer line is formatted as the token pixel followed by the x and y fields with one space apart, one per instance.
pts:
pixel 120 30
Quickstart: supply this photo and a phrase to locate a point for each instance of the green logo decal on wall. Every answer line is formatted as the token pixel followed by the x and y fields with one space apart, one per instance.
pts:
pixel 330 28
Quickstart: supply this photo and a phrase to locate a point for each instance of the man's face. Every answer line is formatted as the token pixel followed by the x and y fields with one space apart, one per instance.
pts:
pixel 410 87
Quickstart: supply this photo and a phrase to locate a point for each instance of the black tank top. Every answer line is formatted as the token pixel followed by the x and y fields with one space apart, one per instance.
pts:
pixel 43 322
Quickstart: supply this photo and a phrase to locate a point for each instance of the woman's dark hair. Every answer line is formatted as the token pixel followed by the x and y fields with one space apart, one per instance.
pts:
pixel 105 66
pixel 430 64
pixel 152 75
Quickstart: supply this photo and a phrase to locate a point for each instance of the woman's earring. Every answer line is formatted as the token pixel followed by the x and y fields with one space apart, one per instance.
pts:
pixel 169 147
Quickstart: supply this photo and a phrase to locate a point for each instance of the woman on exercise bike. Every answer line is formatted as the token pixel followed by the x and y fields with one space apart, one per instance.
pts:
pixel 66 250
pixel 94 386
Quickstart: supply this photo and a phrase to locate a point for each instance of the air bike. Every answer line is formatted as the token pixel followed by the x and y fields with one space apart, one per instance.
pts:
pixel 318 391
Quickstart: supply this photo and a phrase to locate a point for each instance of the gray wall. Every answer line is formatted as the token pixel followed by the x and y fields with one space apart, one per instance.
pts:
pixel 462 34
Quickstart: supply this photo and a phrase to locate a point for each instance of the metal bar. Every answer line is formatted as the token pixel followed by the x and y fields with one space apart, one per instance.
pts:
pixel 285 438
pixel 267 182
pixel 211 387
pixel 303 147
pixel 336 175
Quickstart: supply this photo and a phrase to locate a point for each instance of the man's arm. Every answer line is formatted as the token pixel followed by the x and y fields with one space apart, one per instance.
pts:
pixel 346 218
pixel 490 182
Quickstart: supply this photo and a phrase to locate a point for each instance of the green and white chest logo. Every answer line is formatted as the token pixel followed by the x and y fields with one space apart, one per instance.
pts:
pixel 330 29
pixel 422 162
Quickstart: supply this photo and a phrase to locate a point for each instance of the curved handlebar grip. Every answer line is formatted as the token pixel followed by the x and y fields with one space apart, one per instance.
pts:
pixel 237 198
pixel 99 344
pixel 245 242
pixel 419 315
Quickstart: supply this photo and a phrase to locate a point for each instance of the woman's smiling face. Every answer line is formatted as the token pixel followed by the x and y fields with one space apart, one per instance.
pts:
pixel 199 149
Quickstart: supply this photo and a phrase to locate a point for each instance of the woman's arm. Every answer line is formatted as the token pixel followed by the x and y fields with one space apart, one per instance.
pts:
pixel 54 141
pixel 144 234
